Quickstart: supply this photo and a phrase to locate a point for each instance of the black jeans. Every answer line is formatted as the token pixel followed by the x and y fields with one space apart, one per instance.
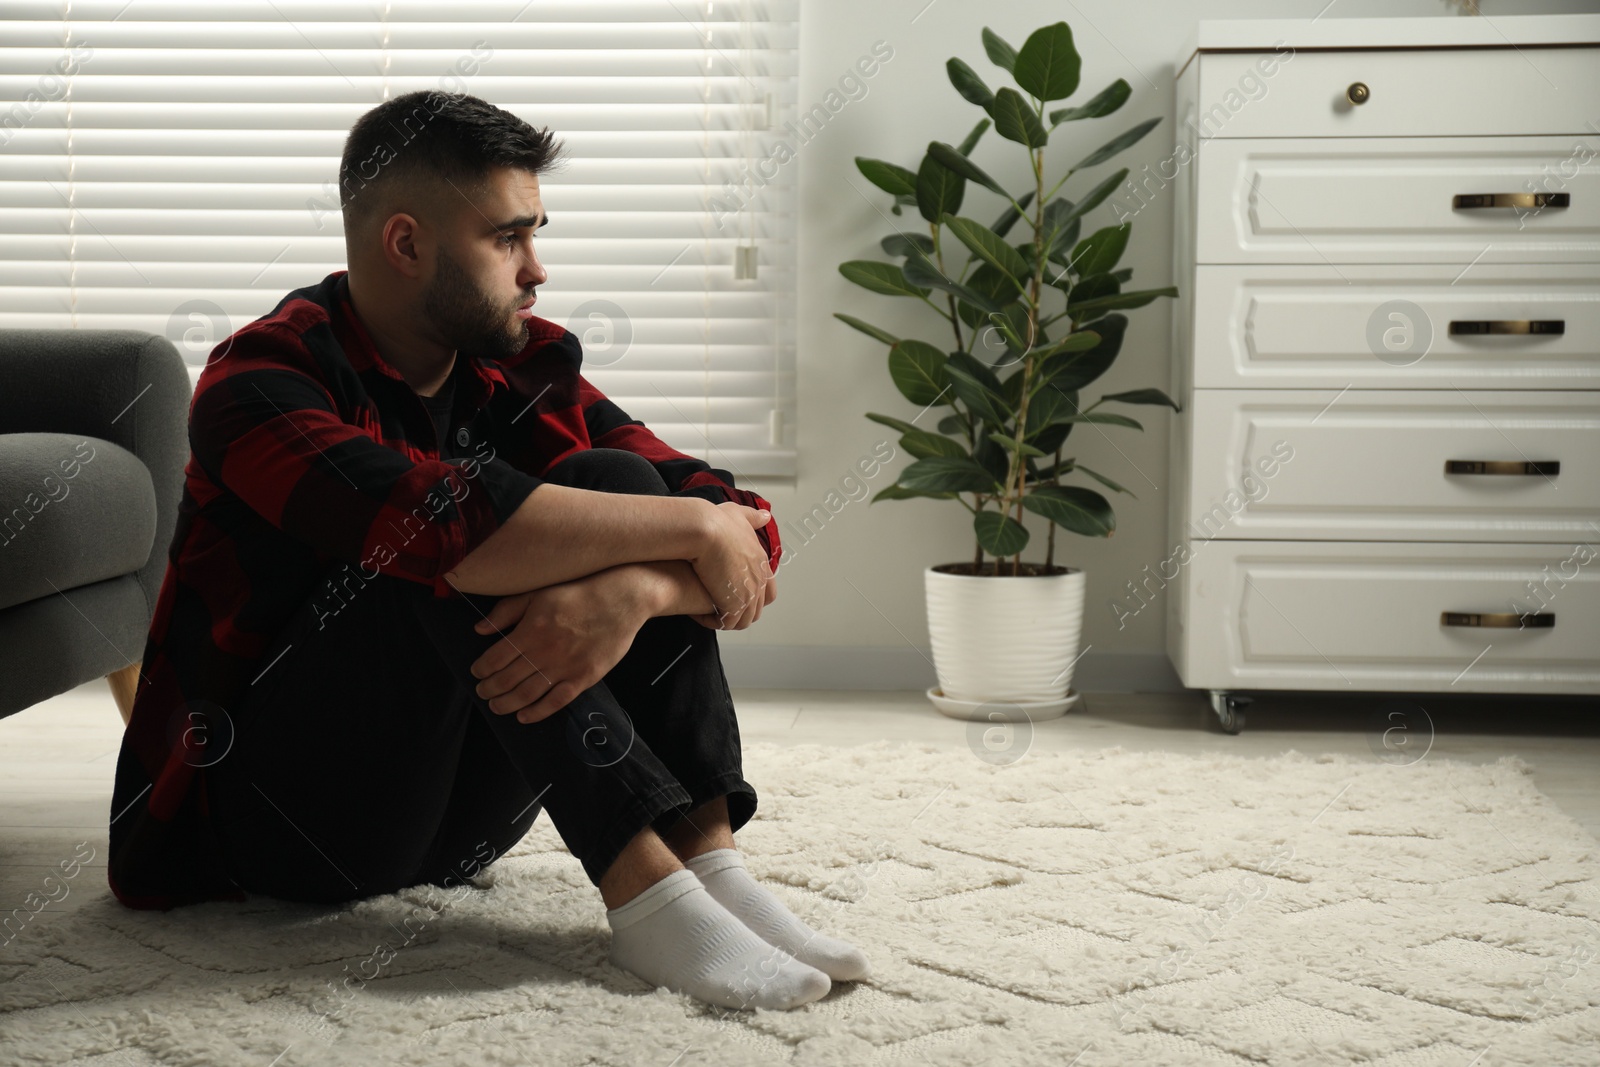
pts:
pixel 362 761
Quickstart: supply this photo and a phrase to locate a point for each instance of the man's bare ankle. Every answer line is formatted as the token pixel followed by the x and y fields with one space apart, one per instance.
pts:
pixel 702 830
pixel 687 847
pixel 642 863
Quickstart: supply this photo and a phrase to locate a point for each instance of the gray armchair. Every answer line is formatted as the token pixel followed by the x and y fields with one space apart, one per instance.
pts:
pixel 93 442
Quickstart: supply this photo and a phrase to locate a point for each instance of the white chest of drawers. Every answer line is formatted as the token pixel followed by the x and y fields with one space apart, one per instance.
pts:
pixel 1386 473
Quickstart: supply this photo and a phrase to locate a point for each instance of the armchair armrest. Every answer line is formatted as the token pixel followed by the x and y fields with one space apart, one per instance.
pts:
pixel 128 387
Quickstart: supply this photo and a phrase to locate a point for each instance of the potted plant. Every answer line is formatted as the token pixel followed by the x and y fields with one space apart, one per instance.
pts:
pixel 1033 322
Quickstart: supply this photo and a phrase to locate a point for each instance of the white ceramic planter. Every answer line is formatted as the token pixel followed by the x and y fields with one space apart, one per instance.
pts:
pixel 1004 639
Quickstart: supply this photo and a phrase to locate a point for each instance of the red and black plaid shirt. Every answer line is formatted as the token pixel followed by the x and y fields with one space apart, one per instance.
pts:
pixel 309 452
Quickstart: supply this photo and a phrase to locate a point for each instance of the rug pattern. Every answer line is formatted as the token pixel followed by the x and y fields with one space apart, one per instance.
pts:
pixel 1081 909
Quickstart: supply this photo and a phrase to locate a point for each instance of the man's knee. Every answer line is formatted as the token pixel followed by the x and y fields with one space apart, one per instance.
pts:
pixel 609 470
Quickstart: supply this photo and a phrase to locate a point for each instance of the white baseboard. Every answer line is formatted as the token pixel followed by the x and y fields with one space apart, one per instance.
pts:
pixel 901 667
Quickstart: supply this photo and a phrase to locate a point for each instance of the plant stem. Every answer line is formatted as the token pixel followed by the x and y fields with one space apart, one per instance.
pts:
pixel 1034 283
pixel 955 320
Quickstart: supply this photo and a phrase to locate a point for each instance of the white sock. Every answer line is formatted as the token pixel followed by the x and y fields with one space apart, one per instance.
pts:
pixel 675 934
pixel 722 872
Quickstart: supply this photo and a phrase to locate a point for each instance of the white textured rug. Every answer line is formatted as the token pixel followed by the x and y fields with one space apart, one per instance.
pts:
pixel 1090 909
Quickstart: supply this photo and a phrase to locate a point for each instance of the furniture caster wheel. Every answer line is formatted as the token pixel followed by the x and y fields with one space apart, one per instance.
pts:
pixel 1227 706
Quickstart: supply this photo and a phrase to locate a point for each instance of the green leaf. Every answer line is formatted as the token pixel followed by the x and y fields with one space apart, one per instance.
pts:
pixel 998 533
pixel 986 402
pixel 1016 316
pixel 1116 144
pixel 1015 120
pixel 1078 510
pixel 1102 104
pixel 1074 370
pixel 918 372
pixel 953 424
pixel 919 270
pixel 1107 482
pixel 990 456
pixel 977 368
pixel 968 84
pixel 900 492
pixel 1011 329
pixel 1077 341
pixel 1008 218
pixel 992 285
pixel 1011 389
pixel 1094 197
pixel 999 53
pixel 1055 469
pixel 971 140
pixel 1136 299
pixel 939 189
pixel 1010 445
pixel 1052 437
pixel 893 423
pixel 889 177
pixel 963 166
pixel 922 444
pixel 989 247
pixel 948 474
pixel 1091 200
pixel 901 244
pixel 1143 396
pixel 885 278
pixel 1048 64
pixel 1058 228
pixel 1098 253
pixel 1122 275
pixel 867 328
pixel 1088 289
pixel 1105 417
pixel 1049 408
pixel 1026 250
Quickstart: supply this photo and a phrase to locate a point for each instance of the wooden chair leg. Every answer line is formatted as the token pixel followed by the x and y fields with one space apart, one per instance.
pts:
pixel 124 684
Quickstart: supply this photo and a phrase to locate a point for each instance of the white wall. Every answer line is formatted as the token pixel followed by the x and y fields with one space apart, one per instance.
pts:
pixel 850 612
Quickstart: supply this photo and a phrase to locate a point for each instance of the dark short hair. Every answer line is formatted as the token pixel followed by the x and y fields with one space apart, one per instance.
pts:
pixel 431 134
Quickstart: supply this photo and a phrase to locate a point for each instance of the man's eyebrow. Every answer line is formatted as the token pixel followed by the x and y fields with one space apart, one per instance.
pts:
pixel 526 220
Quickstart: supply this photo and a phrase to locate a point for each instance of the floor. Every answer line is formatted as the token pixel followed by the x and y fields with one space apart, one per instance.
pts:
pixel 57 759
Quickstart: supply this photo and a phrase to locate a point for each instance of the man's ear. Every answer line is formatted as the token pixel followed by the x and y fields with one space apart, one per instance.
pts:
pixel 403 239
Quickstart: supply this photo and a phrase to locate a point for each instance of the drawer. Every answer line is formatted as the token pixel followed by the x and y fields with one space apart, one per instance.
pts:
pixel 1383 200
pixel 1422 92
pixel 1370 465
pixel 1369 616
pixel 1390 327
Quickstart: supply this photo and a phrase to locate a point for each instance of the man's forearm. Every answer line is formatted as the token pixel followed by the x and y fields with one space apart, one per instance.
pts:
pixel 561 533
pixel 671 587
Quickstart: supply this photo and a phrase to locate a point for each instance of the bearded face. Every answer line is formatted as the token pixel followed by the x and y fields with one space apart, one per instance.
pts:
pixel 471 319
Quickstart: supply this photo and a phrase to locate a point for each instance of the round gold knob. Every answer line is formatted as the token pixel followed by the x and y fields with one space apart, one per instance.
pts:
pixel 1357 93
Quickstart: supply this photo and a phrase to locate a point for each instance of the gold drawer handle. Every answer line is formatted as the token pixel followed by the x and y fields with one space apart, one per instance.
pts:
pixel 1358 93
pixel 1501 466
pixel 1538 621
pixel 1538 200
pixel 1482 326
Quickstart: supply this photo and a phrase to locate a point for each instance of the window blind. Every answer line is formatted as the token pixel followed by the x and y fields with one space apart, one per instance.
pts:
pixel 173 167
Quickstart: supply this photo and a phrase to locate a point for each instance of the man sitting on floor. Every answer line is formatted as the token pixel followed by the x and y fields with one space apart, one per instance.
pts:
pixel 421 568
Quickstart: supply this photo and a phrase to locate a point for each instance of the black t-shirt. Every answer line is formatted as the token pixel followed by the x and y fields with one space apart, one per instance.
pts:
pixel 439 406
